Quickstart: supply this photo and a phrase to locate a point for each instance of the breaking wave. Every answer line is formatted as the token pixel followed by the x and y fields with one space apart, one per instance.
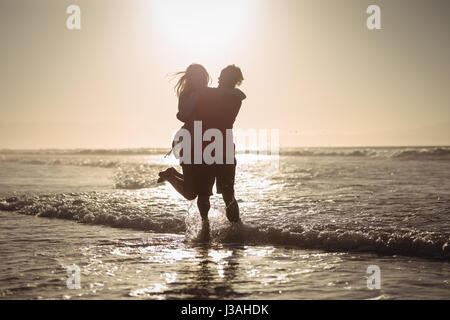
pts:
pixel 425 153
pixel 122 211
pixel 432 153
pixel 114 210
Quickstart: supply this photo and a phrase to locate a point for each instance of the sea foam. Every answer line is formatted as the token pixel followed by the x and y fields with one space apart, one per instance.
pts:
pixel 122 211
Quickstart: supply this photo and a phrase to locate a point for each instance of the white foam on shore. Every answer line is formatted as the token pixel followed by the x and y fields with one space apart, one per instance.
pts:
pixel 115 211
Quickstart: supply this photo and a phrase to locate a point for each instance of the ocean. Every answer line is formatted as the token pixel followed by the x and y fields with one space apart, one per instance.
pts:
pixel 315 225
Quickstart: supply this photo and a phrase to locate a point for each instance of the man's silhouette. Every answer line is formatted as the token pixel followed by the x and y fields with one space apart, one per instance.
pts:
pixel 218 109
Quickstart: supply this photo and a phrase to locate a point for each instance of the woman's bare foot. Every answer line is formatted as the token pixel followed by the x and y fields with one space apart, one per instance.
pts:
pixel 164 175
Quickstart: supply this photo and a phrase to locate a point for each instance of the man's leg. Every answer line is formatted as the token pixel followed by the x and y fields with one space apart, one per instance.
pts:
pixel 232 207
pixel 225 175
pixel 203 206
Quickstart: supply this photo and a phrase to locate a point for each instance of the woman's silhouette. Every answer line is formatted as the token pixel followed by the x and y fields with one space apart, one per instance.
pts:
pixel 190 183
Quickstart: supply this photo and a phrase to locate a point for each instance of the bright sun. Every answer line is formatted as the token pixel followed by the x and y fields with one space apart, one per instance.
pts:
pixel 201 25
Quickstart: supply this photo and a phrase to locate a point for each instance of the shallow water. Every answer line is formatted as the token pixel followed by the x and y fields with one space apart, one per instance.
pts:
pixel 118 264
pixel 310 229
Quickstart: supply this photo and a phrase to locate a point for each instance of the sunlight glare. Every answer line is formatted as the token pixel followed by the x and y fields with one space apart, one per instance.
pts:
pixel 201 25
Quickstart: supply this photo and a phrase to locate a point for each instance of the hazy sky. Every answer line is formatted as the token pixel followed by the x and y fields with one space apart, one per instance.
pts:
pixel 312 69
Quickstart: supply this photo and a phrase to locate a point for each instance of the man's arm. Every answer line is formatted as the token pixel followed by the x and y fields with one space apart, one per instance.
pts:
pixel 236 103
pixel 186 105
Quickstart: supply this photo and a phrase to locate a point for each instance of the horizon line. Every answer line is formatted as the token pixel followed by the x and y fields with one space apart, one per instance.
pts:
pixel 284 147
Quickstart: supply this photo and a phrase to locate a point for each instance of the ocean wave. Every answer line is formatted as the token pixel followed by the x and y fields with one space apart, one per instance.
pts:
pixel 127 175
pixel 50 156
pixel 407 243
pixel 96 208
pixel 80 162
pixel 435 153
pixel 123 151
pixel 329 152
pixel 136 176
pixel 123 211
pixel 423 153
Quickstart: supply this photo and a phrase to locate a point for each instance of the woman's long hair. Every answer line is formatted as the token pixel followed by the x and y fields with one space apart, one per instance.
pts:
pixel 195 77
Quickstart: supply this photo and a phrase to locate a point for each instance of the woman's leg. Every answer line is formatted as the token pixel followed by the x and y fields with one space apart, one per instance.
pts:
pixel 176 173
pixel 186 188
pixel 179 185
pixel 169 171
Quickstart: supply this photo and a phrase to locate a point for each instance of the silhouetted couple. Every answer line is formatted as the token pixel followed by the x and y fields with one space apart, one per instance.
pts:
pixel 208 115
